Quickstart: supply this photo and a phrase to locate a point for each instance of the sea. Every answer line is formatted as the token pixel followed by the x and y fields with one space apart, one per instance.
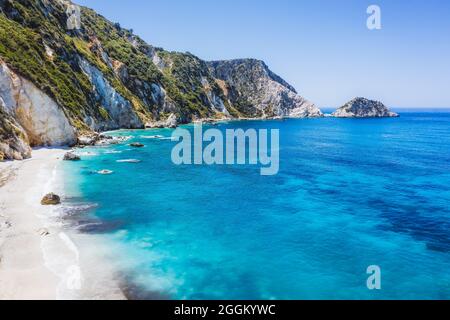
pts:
pixel 350 195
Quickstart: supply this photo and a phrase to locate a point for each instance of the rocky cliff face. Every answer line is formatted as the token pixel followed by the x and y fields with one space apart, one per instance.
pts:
pixel 363 108
pixel 13 139
pixel 62 76
pixel 119 112
pixel 253 89
pixel 35 118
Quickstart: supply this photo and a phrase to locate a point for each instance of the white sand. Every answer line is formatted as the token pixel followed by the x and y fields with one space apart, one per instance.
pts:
pixel 45 267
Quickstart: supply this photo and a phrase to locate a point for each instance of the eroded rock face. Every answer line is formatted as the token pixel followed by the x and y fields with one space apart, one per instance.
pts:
pixel 256 91
pixel 30 117
pixel 121 114
pixel 170 122
pixel 364 108
pixel 13 139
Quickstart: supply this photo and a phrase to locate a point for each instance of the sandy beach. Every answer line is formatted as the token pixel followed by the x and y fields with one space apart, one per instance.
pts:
pixel 39 259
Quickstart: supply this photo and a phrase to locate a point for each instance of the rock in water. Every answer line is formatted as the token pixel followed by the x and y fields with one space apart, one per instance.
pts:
pixel 87 140
pixel 137 145
pixel 105 172
pixel 129 161
pixel 70 156
pixel 364 108
pixel 50 199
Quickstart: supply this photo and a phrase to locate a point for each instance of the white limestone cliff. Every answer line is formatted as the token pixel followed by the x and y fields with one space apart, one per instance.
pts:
pixel 38 119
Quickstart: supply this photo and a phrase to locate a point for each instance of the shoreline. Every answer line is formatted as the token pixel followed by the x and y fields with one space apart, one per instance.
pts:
pixel 64 264
pixel 39 258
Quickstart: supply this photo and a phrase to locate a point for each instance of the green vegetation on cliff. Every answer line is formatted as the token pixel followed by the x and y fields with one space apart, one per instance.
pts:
pixel 28 28
pixel 104 77
pixel 23 50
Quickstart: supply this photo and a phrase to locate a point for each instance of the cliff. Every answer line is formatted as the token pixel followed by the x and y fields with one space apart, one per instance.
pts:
pixel 363 108
pixel 61 77
pixel 255 90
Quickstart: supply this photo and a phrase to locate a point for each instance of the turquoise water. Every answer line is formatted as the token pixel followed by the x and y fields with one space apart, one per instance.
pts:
pixel 350 194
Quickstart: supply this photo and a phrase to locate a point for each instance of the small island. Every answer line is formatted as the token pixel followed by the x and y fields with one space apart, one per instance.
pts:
pixel 364 108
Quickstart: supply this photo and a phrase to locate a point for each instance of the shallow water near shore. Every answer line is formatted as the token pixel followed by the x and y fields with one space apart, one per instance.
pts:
pixel 350 193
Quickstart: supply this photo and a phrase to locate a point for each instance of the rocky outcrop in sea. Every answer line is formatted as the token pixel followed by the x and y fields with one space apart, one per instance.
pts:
pixel 364 108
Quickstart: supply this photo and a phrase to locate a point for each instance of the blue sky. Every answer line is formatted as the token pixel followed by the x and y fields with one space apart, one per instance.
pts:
pixel 322 47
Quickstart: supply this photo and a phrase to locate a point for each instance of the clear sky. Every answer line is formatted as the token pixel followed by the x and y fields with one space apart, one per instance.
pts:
pixel 322 47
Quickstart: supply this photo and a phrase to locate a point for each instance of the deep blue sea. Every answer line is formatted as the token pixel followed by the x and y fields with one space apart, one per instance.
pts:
pixel 350 193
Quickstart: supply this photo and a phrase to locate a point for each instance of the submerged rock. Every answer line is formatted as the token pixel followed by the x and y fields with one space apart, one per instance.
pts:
pixel 364 108
pixel 51 199
pixel 70 156
pixel 105 172
pixel 129 161
pixel 137 145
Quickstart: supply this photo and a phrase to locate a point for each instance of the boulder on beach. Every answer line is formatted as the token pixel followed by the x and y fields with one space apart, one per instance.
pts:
pixel 51 199
pixel 364 108
pixel 70 156
pixel 137 145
